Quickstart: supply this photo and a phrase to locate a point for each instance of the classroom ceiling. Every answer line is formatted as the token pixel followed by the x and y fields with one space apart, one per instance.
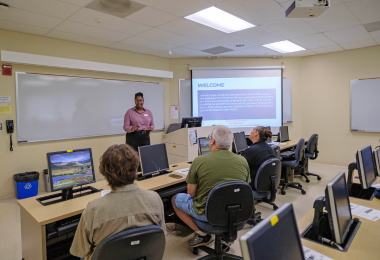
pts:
pixel 151 29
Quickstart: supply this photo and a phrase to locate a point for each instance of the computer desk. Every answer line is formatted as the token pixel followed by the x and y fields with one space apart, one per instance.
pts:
pixel 35 217
pixel 366 241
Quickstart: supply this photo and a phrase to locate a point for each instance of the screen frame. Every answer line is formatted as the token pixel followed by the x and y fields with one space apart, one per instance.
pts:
pixel 147 147
pixel 62 152
pixel 282 90
pixel 184 118
pixel 360 164
pixel 376 154
pixel 333 211
pixel 199 145
pixel 287 130
pixel 234 141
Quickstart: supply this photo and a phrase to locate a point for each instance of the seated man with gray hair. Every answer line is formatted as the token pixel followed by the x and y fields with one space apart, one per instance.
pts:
pixel 218 166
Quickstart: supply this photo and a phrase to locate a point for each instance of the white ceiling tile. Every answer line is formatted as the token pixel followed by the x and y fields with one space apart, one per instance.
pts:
pixel 313 41
pixel 352 34
pixel 21 16
pixel 109 22
pixel 333 48
pixel 258 36
pixel 177 7
pixel 300 53
pixel 47 7
pixel 20 27
pixel 378 40
pixel 77 2
pixel 166 54
pixel 261 51
pixel 168 37
pixel 147 43
pixel 225 41
pixel 368 11
pixel 189 52
pixel 90 31
pixel 151 16
pixel 188 28
pixel 291 28
pixel 336 17
pixel 233 54
pixel 77 38
pixel 347 1
pixel 375 34
pixel 257 12
pixel 217 1
pixel 132 48
pixel 359 44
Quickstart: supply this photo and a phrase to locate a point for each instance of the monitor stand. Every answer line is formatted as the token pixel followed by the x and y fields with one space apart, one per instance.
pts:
pixel 67 194
pixel 142 177
pixel 356 190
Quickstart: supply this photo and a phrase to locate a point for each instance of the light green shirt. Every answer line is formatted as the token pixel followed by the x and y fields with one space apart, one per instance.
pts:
pixel 216 167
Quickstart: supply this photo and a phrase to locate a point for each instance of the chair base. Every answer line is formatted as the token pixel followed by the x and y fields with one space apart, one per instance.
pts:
pixel 255 220
pixel 217 253
pixel 306 174
pixel 294 185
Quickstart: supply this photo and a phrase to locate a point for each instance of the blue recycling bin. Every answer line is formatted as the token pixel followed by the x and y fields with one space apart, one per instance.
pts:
pixel 26 184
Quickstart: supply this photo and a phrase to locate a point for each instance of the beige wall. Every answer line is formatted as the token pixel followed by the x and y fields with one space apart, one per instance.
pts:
pixel 32 156
pixel 326 101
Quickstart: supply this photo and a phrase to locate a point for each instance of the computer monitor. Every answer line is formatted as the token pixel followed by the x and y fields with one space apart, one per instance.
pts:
pixel 275 237
pixel 240 143
pixel 204 145
pixel 376 158
pixel 188 122
pixel 365 166
pixel 284 134
pixel 68 169
pixel 153 158
pixel 338 208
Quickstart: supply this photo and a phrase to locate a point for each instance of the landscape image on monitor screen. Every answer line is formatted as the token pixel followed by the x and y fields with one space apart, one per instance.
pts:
pixel 205 146
pixel 71 169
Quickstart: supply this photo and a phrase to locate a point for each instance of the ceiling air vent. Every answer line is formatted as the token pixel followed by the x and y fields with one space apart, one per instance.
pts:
pixel 217 50
pixel 120 8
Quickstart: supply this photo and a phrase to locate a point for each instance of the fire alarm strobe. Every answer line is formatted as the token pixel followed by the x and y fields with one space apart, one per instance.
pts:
pixel 7 70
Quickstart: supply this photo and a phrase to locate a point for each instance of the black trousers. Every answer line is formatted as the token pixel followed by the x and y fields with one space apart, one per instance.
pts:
pixel 137 138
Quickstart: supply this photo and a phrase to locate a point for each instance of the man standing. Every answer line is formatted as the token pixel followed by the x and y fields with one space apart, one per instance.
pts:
pixel 207 171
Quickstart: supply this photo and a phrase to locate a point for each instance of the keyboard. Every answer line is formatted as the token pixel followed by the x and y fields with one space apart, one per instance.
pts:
pixel 287 154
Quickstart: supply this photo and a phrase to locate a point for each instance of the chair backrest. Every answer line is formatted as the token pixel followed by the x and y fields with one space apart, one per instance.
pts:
pixel 277 151
pixel 229 194
pixel 146 243
pixel 269 168
pixel 299 153
pixel 311 146
pixel 173 127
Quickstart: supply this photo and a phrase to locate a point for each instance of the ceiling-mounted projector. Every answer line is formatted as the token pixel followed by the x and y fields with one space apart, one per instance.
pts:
pixel 307 8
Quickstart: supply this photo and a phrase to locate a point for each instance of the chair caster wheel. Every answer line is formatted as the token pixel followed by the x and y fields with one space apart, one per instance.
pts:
pixel 319 178
pixel 307 181
pixel 283 192
pixel 275 207
pixel 195 250
pixel 303 192
pixel 300 186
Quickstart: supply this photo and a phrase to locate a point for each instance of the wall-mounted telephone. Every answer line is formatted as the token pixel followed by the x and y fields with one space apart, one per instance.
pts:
pixel 10 129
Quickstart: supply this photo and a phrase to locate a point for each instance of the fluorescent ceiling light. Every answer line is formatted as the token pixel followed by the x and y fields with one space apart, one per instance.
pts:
pixel 284 47
pixel 220 20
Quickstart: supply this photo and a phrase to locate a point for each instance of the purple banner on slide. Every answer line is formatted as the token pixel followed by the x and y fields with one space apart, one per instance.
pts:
pixel 237 104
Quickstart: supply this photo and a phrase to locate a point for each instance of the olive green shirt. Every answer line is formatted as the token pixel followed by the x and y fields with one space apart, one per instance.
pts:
pixel 216 167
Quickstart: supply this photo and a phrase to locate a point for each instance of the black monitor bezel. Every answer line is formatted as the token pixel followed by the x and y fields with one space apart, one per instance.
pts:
pixel 199 145
pixel 287 130
pixel 234 142
pixel 147 147
pixel 69 151
pixel 192 117
pixel 332 210
pixel 376 158
pixel 360 166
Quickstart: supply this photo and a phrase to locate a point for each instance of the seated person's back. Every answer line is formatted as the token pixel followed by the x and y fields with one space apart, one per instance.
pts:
pixel 127 206
pixel 207 171
pixel 259 151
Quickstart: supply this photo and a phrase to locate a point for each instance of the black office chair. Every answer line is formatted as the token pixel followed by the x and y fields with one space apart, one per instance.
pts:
pixel 311 152
pixel 173 127
pixel 144 243
pixel 228 206
pixel 277 151
pixel 291 163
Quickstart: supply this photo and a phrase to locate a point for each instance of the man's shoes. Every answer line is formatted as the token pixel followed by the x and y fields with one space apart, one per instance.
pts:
pixel 198 240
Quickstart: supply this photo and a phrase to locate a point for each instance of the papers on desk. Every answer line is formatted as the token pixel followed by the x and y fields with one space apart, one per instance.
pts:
pixel 364 212
pixel 277 143
pixel 105 192
pixel 312 255
pixel 183 171
pixel 376 186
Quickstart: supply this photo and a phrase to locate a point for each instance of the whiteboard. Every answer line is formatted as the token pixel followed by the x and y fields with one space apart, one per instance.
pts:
pixel 365 96
pixel 287 100
pixel 60 107
pixel 184 98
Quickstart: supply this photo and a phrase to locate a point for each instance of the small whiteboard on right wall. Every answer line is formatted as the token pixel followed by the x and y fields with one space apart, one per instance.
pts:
pixel 287 99
pixel 365 97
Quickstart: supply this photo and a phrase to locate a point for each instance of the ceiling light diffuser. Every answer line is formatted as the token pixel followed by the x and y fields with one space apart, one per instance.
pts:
pixel 219 20
pixel 284 47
